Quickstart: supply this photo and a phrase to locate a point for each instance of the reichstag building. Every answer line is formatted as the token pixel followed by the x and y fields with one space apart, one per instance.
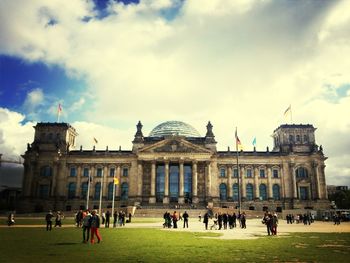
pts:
pixel 173 165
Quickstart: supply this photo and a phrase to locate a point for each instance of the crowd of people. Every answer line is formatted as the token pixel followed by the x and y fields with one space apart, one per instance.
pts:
pixel 306 218
pixel 220 220
pixel 271 222
pixel 58 220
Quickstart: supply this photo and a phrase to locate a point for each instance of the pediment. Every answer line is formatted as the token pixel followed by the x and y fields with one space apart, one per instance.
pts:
pixel 172 145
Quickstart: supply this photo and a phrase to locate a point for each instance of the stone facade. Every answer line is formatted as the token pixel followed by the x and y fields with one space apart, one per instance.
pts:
pixel 170 168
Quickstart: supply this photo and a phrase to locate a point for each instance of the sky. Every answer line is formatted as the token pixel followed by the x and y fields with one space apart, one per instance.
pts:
pixel 234 63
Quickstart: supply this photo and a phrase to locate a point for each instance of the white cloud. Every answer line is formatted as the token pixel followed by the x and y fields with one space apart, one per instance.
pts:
pixel 236 63
pixel 33 99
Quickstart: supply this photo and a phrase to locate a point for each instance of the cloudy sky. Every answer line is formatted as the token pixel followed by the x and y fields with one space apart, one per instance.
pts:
pixel 236 63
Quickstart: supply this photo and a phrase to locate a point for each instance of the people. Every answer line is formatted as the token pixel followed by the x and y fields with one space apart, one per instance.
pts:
pixel 185 216
pixel 79 218
pixel 48 219
pixel 274 223
pixel 200 217
pixel 95 225
pixel 59 218
pixel 243 220
pixel 11 219
pixel 86 227
pixel 206 220
pixel 108 216
pixel 174 217
pixel 115 218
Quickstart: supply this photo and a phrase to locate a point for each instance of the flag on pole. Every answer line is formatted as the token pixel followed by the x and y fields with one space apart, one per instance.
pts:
pixel 239 145
pixel 95 140
pixel 59 111
pixel 254 142
pixel 116 181
pixel 287 112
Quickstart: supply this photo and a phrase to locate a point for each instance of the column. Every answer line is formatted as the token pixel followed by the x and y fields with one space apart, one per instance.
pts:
pixel 78 188
pixel 152 198
pixel 230 189
pixel 181 183
pixel 294 183
pixel 243 183
pixel 269 183
pixel 194 183
pixel 166 184
pixel 317 168
pixel 54 178
pixel 139 180
pixel 256 183
pixel 208 182
pixel 105 182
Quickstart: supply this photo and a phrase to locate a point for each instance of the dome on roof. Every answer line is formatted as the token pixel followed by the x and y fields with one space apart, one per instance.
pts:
pixel 169 128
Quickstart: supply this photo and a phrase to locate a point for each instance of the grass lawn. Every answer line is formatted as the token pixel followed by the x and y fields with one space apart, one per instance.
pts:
pixel 154 245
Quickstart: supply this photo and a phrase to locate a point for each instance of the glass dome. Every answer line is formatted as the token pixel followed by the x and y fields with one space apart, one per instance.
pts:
pixel 174 128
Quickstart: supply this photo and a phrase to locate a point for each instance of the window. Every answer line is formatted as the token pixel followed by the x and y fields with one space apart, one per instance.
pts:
pixel 304 193
pixel 235 192
pixel 125 171
pixel 235 172
pixel 86 172
pixel 298 138
pixel 291 138
pixel 222 172
pixel 44 191
pixel 110 191
pixel 99 172
pixel 112 172
pixel 187 182
pixel 71 190
pixel 46 171
pixel 174 173
pixel 160 179
pixel 97 191
pixel 275 173
pixel 276 192
pixel 84 189
pixel 249 192
pixel 73 171
pixel 262 192
pixel 301 172
pixel 50 136
pixel 262 173
pixel 124 191
pixel 223 192
pixel 249 173
pixel 306 139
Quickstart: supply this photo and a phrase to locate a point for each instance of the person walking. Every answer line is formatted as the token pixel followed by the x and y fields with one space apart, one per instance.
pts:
pixel 243 220
pixel 48 219
pixel 174 217
pixel 185 217
pixel 115 218
pixel 86 227
pixel 95 225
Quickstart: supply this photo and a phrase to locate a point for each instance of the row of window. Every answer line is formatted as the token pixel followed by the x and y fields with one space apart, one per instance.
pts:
pixel 250 192
pixel 99 172
pixel 298 138
pixel 248 173
pixel 84 189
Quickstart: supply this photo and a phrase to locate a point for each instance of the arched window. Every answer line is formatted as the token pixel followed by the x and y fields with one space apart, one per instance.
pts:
pixel 276 192
pixel 71 190
pixel 97 191
pixel 46 171
pixel 262 192
pixel 110 191
pixel 223 192
pixel 124 191
pixel 235 192
pixel 84 189
pixel 249 192
pixel 301 172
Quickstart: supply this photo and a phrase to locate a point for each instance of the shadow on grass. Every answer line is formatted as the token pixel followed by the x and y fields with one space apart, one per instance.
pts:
pixel 65 244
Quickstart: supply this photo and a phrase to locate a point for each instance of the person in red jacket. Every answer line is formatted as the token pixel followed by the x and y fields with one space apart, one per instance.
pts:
pixel 94 225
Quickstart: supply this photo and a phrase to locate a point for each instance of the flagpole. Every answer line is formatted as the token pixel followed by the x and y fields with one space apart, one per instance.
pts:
pixel 88 193
pixel 238 175
pixel 101 190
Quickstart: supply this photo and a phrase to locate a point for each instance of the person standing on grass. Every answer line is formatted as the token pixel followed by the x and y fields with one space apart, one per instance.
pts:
pixel 115 218
pixel 274 223
pixel 185 217
pixel 108 216
pixel 95 225
pixel 48 219
pixel 174 217
pixel 86 227
pixel 234 220
pixel 59 218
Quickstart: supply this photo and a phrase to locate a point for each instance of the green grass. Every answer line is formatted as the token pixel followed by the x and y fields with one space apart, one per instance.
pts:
pixel 155 245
